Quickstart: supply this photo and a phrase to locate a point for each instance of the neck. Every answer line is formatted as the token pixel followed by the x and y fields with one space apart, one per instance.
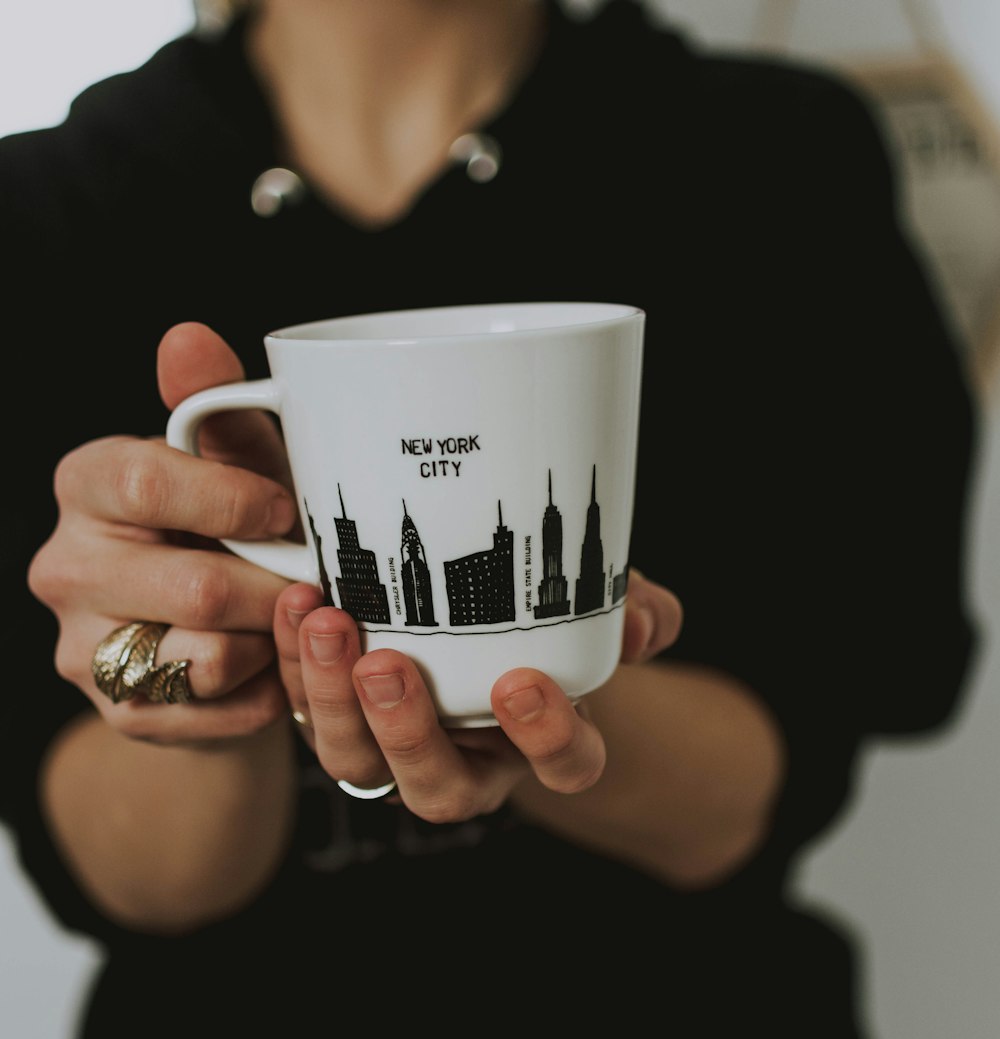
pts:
pixel 370 93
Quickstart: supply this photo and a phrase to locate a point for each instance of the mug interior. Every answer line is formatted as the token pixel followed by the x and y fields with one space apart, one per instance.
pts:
pixel 443 322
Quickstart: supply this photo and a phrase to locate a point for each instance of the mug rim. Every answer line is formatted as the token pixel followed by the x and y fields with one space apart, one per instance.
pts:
pixel 604 313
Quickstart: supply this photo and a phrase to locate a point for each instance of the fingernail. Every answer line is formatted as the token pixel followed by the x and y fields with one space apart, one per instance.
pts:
pixel 280 516
pixel 327 649
pixel 295 617
pixel 525 704
pixel 383 690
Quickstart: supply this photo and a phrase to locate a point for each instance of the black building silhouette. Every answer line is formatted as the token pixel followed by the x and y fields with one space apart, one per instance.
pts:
pixel 324 577
pixel 553 599
pixel 590 584
pixel 416 577
pixel 619 585
pixel 361 593
pixel 481 586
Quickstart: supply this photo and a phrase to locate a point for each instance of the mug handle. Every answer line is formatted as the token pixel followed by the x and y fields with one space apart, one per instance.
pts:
pixel 285 558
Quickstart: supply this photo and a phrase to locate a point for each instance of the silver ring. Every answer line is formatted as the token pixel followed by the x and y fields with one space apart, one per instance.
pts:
pixel 366 795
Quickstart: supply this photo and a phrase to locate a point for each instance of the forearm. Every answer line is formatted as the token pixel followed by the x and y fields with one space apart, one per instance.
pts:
pixel 167 837
pixel 695 763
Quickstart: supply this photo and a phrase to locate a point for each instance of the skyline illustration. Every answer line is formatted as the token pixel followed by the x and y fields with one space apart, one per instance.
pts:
pixel 480 586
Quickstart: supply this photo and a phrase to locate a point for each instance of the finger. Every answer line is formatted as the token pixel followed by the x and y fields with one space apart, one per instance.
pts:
pixel 653 619
pixel 566 752
pixel 148 484
pixel 291 607
pixel 256 704
pixel 192 357
pixel 329 647
pixel 219 662
pixel 191 588
pixel 436 780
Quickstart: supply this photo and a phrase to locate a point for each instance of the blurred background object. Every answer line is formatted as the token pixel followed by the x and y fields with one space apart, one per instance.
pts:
pixel 930 66
pixel 911 868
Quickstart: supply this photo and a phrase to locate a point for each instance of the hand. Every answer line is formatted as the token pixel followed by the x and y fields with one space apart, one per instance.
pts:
pixel 115 555
pixel 372 718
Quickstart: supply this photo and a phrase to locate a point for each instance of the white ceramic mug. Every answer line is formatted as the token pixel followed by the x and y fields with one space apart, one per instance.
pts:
pixel 466 477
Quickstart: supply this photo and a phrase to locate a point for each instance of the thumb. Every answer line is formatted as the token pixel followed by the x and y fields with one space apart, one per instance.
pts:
pixel 192 357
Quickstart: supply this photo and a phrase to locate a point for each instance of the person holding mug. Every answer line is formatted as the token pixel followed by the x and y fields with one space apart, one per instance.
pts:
pixel 267 826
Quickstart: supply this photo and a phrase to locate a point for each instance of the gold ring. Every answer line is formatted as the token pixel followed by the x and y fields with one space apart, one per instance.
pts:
pixel 302 719
pixel 123 665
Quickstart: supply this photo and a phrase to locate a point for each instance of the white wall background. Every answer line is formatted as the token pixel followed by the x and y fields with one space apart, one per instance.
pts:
pixel 913 869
